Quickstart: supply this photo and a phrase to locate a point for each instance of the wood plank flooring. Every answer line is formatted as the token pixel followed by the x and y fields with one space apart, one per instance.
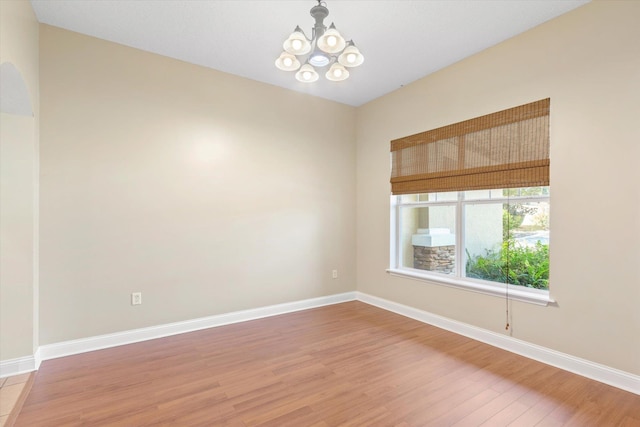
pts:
pixel 348 364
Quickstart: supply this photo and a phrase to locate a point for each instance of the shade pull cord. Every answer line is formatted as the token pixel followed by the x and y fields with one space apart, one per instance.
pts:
pixel 506 294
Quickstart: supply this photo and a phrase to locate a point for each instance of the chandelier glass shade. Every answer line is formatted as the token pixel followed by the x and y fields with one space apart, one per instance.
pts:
pixel 326 47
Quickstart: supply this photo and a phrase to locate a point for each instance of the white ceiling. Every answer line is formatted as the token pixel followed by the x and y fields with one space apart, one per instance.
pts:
pixel 401 40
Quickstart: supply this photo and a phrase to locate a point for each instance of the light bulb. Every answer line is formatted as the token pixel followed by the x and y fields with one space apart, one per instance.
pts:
pixel 351 58
pixel 332 40
pixel 287 62
pixel 296 44
pixel 306 75
pixel 337 72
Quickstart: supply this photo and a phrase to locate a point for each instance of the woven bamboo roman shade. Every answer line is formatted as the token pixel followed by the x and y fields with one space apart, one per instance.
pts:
pixel 506 149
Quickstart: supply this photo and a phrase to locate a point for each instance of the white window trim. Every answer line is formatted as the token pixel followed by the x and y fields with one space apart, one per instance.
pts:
pixel 532 296
pixel 496 289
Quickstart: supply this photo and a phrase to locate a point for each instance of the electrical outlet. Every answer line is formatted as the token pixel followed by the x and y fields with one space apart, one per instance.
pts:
pixel 334 274
pixel 136 298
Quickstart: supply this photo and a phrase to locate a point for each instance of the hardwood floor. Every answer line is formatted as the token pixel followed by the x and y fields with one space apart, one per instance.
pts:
pixel 348 364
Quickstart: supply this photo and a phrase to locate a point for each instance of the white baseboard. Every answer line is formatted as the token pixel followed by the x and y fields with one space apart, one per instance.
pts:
pixel 616 378
pixel 67 348
pixel 604 374
pixel 17 366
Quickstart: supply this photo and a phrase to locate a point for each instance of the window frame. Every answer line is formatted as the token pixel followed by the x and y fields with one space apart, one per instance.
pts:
pixel 459 281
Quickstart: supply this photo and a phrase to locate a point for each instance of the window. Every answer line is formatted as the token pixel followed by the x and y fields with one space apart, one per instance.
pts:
pixel 470 204
pixel 484 236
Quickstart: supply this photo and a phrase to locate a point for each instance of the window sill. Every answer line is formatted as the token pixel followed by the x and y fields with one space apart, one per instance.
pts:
pixel 530 296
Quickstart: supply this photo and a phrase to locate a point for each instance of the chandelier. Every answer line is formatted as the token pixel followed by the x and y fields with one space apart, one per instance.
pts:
pixel 326 46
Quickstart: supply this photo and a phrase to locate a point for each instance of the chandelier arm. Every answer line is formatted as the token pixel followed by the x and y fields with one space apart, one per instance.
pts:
pixel 303 33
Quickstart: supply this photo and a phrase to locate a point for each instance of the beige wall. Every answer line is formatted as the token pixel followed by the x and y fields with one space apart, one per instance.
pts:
pixel 207 192
pixel 17 181
pixel 588 63
pixel 19 188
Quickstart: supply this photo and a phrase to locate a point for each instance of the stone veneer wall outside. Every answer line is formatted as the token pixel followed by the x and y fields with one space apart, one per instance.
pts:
pixel 437 258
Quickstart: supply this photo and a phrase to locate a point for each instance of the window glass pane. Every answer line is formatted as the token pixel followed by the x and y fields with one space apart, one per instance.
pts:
pixel 528 223
pixel 527 191
pixel 482 194
pixel 483 228
pixel 409 198
pixel 508 243
pixel 446 196
pixel 427 238
pixel 501 193
pixel 429 197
